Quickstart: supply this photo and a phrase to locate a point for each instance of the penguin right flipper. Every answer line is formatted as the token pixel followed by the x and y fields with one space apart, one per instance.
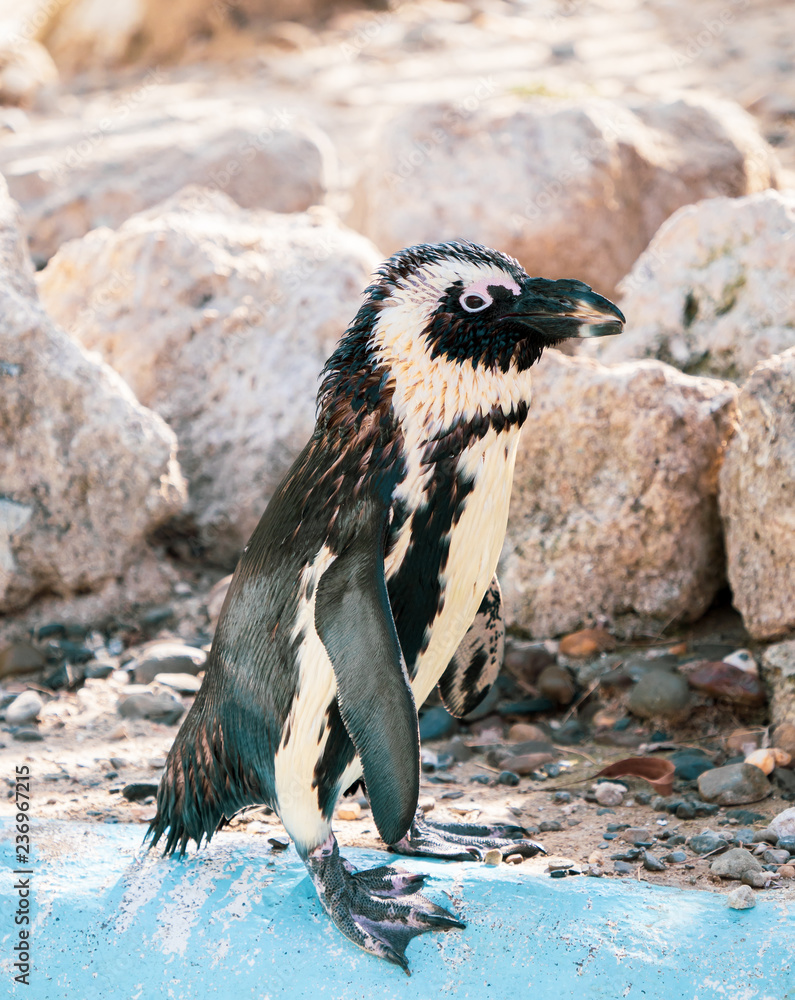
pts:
pixel 353 619
pixel 477 661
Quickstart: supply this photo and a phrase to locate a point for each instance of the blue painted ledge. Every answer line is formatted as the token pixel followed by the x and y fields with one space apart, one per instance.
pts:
pixel 238 921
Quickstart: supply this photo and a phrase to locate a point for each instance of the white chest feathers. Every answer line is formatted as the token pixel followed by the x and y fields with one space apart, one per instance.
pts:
pixel 474 548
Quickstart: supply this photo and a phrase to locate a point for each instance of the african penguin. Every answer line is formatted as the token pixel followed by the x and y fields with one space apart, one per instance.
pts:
pixel 370 579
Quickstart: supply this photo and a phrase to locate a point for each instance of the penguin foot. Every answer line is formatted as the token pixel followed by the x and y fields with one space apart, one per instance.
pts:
pixel 379 909
pixel 463 841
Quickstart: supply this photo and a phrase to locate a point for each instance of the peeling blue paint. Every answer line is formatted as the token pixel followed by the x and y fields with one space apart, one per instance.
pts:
pixel 236 920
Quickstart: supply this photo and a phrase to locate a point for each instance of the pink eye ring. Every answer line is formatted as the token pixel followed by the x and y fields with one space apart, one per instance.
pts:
pixel 475 301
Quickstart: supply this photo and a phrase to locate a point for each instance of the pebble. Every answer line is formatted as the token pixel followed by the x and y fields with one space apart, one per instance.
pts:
pixel 26 734
pixel 561 797
pixel 550 826
pixel 19 658
pixel 675 857
pixel 786 844
pixel 706 842
pixel 728 683
pixel 633 834
pixel 756 879
pixel 509 778
pixel 158 707
pixel 786 871
pixel 436 723
pixel 558 863
pixel 689 764
pixel 138 791
pixel 167 658
pixel 660 693
pixel 349 811
pixel 631 854
pixel 734 784
pixel 652 864
pixel 24 708
pixel 556 684
pixel 609 793
pixel 766 836
pixel 526 659
pixel 492 857
pixel 784 737
pixel 768 760
pixel 587 642
pixel 783 825
pixel 481 779
pixel 775 857
pixel 741 898
pixel 526 763
pixel 623 868
pixel 744 659
pixel 524 732
pixel 735 863
pixel 99 670
pixel 182 683
pixel 741 740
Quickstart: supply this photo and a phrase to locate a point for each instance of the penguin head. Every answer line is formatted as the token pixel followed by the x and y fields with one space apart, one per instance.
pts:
pixel 457 317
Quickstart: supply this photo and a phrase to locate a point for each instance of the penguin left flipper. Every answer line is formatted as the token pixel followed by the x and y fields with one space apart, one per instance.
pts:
pixel 353 619
pixel 477 661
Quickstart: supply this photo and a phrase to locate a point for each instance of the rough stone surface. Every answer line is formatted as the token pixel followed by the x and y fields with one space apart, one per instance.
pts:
pixel 735 863
pixel 614 500
pixel 741 898
pixel 571 188
pixel 757 500
pixel 609 793
pixel 24 708
pixel 27 72
pixel 712 293
pixel 733 784
pixel 104 166
pixel 221 320
pixel 87 471
pixel 783 825
pixel 158 707
pixel 660 693
pixel 168 658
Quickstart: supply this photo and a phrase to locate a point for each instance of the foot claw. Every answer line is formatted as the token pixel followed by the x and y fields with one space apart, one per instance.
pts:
pixel 464 842
pixel 380 909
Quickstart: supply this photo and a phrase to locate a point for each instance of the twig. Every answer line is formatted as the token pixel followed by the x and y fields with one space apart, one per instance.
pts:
pixel 576 704
pixel 578 753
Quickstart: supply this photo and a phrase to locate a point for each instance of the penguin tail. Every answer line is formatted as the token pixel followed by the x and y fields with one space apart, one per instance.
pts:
pixel 203 786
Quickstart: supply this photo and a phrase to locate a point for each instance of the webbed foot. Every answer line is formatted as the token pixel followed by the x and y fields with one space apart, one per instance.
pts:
pixel 463 841
pixel 379 909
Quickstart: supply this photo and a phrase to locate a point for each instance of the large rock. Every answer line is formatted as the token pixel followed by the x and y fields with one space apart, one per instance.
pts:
pixel 712 294
pixel 220 320
pixel 614 512
pixel 757 499
pixel 87 472
pixel 778 673
pixel 120 156
pixel 573 189
pixel 27 72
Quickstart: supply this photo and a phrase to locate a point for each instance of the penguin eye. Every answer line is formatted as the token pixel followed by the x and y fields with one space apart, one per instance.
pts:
pixel 474 302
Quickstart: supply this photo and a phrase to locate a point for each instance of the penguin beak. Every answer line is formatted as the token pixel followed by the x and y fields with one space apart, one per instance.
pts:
pixel 557 310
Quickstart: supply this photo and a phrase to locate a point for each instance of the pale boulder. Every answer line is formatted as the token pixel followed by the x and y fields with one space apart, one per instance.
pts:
pixel 87 472
pixel 757 499
pixel 573 189
pixel 778 673
pixel 27 72
pixel 221 321
pixel 122 155
pixel 614 515
pixel 712 293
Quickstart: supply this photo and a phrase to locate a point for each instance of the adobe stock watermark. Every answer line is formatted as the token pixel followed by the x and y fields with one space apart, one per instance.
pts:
pixel 75 155
pixel 367 31
pixel 423 148
pixel 579 161
pixel 22 874
pixel 711 29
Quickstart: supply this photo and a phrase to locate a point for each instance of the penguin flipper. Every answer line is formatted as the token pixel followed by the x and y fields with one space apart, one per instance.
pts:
pixel 477 661
pixel 353 619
